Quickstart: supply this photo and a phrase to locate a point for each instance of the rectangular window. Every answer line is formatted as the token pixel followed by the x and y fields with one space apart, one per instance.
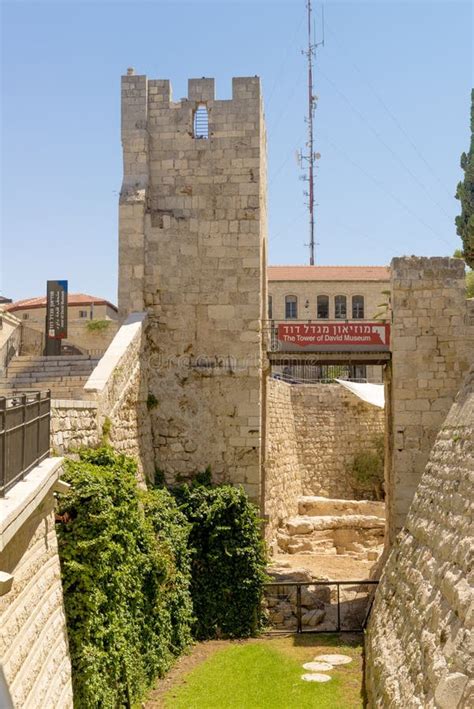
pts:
pixel 25 316
pixel 357 307
pixel 291 307
pixel 323 307
pixel 83 313
pixel 270 307
pixel 340 307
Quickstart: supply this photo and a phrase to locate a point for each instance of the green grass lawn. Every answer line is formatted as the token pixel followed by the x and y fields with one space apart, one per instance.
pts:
pixel 266 674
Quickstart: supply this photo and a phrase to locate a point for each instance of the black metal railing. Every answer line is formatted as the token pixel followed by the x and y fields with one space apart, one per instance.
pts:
pixel 318 606
pixel 24 435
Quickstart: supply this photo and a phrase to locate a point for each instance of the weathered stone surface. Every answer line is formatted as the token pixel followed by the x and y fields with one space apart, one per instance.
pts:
pixel 334 660
pixel 192 228
pixel 419 640
pixel 312 618
pixel 432 344
pixel 315 677
pixel 313 433
pixel 33 640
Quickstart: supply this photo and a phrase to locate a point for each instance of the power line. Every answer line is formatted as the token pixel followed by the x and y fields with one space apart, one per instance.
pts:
pixel 395 155
pixel 288 100
pixel 284 230
pixel 391 115
pixel 284 63
pixel 382 187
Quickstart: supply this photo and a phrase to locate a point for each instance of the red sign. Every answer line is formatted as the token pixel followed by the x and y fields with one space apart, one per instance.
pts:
pixel 370 335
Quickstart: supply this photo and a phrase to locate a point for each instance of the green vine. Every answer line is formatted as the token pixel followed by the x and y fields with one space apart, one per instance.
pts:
pixel 98 325
pixel 228 558
pixel 126 573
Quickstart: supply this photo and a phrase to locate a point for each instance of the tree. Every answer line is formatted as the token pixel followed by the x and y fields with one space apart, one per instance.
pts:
pixel 465 194
pixel 469 275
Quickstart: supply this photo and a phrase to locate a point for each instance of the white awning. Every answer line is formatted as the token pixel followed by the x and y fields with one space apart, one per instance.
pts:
pixel 371 393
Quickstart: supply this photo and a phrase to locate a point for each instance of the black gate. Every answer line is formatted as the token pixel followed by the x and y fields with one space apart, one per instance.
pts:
pixel 318 606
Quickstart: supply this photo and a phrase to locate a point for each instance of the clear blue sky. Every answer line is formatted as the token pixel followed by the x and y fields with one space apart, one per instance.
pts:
pixel 393 82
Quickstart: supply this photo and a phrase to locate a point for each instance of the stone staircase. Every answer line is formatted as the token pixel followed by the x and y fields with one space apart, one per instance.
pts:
pixel 65 376
pixel 329 526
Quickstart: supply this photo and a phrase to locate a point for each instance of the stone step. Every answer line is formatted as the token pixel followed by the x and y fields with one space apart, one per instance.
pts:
pixel 43 383
pixel 305 524
pixel 357 535
pixel 325 506
pixel 59 358
pixel 84 367
pixel 55 394
pixel 48 376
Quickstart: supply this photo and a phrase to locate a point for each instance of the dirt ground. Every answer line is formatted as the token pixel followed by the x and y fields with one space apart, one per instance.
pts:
pixel 336 568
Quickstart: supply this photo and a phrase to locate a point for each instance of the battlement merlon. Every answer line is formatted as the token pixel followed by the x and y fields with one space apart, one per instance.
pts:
pixel 138 90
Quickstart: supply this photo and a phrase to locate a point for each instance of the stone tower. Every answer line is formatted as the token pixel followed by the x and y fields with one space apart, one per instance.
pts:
pixel 193 255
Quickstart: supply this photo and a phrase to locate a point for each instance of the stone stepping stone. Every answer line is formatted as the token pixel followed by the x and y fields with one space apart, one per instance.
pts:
pixel 317 666
pixel 334 659
pixel 315 678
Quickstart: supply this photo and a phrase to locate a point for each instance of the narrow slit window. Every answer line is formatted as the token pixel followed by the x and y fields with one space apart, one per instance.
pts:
pixel 201 122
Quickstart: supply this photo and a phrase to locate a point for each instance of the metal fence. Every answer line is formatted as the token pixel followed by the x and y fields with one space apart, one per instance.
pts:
pixel 24 435
pixel 318 606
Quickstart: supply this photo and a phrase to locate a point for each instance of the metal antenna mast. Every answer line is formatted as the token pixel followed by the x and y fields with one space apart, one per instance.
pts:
pixel 311 156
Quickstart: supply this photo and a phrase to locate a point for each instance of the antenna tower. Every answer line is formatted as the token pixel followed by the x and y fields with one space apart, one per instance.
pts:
pixel 310 155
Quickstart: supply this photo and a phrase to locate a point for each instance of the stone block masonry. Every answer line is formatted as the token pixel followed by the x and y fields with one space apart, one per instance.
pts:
pixel 419 640
pixel 34 656
pixel 313 433
pixel 192 255
pixel 432 348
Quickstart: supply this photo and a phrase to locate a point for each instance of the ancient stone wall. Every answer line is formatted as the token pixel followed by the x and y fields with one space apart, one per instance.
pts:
pixel 313 433
pixel 74 424
pixel 192 254
pixel 282 470
pixel 118 387
pixel 33 642
pixel 332 425
pixel 431 352
pixel 419 640
pixel 90 340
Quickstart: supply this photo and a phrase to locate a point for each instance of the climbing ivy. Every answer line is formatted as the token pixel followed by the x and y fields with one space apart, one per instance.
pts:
pixel 126 574
pixel 228 559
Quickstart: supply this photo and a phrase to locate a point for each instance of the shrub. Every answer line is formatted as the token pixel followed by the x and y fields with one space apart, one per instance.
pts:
pixel 228 559
pixel 98 325
pixel 126 574
pixel 367 470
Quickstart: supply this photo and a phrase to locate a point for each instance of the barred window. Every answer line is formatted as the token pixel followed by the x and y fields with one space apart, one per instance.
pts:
pixel 201 122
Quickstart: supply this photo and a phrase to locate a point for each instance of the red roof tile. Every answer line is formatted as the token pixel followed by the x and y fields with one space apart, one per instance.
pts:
pixel 328 273
pixel 73 299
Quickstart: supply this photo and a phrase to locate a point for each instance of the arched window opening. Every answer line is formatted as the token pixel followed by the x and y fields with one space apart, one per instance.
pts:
pixel 201 122
pixel 291 307
pixel 357 307
pixel 322 307
pixel 340 307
